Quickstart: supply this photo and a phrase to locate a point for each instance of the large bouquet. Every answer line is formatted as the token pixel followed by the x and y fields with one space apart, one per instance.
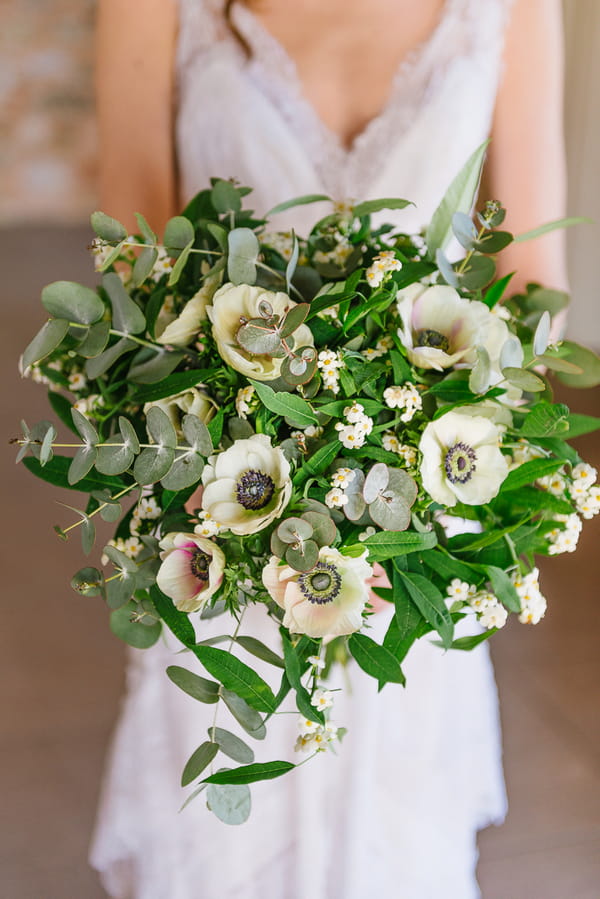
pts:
pixel 270 417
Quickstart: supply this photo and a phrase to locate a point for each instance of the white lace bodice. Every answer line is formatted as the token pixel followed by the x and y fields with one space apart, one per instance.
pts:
pixel 249 118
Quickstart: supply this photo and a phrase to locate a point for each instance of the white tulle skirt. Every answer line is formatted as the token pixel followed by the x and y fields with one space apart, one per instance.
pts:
pixel 394 814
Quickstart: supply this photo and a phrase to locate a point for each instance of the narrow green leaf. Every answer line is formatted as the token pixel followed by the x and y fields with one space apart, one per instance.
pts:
pixel 244 714
pixel 100 364
pixel 458 198
pixel 288 405
pixel 144 265
pixel 581 424
pixel 198 761
pixel 376 660
pixel 503 588
pixel 294 669
pixel 552 226
pixel 251 773
pixel 368 207
pixel 180 264
pixel 231 745
pixel 178 622
pixel 387 544
pixel 198 687
pixel 56 472
pixel 297 201
pixel 258 649
pixel 529 472
pixel 145 230
pixel 126 315
pixel 430 603
pixel 169 386
pixel 546 420
pixel 237 677
pixel 49 337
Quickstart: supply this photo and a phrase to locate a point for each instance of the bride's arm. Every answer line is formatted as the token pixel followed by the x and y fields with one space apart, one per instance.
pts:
pixel 526 164
pixel 135 46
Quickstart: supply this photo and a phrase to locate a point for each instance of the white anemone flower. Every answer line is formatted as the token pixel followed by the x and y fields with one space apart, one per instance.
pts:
pixel 441 329
pixel 247 486
pixel 189 402
pixel 462 461
pixel 191 570
pixel 328 600
pixel 231 304
pixel 183 329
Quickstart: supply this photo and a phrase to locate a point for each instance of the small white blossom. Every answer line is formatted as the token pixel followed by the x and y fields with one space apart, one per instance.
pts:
pixel 207 526
pixel 129 546
pixel 77 381
pixel 350 436
pixel 533 604
pixel 390 442
pixel 322 699
pixel 244 398
pixel 354 413
pixel 405 397
pixel 494 615
pixel 383 264
pixel 317 662
pixel 458 590
pixel 555 484
pixel 342 477
pixel 313 431
pixel 148 508
pixel 336 498
pixel 480 601
pixel 317 739
pixel 162 265
pixel 306 726
pixel 525 452
pixel 586 473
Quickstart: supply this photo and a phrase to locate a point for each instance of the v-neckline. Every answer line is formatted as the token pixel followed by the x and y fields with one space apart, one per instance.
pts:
pixel 279 72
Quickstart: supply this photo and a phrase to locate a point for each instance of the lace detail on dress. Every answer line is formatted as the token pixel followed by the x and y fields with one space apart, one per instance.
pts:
pixel 201 27
pixel 464 29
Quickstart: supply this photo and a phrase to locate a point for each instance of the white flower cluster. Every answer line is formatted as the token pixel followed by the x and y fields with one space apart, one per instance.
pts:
pixel 380 349
pixel 280 241
pixel 533 604
pixel 129 546
pixel 87 405
pixel 338 255
pixel 564 540
pixel 336 498
pixel 244 401
pixel 207 526
pixel 315 737
pixel 407 453
pixel 329 362
pixel 584 490
pixel 406 397
pixel 358 426
pixel 381 265
pixel 146 510
pixel 163 265
pixel 77 381
pixel 490 611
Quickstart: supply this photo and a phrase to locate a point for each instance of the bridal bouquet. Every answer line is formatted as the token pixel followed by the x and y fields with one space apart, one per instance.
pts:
pixel 268 418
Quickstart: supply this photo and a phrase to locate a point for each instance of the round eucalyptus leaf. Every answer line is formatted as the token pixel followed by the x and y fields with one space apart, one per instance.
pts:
pixel 111 512
pixel 479 378
pixel 95 340
pixel 231 803
pixel 298 366
pixel 144 265
pixel 243 253
pixel 304 558
pixel 289 369
pixel 239 429
pixel 128 434
pixel 185 471
pixel 160 428
pixel 494 241
pixel 524 379
pixel 72 301
pixel 355 506
pixel 278 547
pixel 375 482
pixel 107 228
pixel 179 232
pixel 293 530
pixel 225 197
pixel 153 464
pixel 119 559
pixel 259 339
pixel 88 582
pixel 391 513
pixel 119 591
pixel 511 355
pixel 150 366
pixel 231 745
pixel 47 339
pixel 38 434
pixel 132 632
pixel 324 529
pixel 446 270
pixel 197 434
pixel 114 457
pixel 83 461
pixel 464 229
pixel 479 272
pixel 401 484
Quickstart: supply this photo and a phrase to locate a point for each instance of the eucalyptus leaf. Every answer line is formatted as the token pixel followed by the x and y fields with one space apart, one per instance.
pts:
pixel 464 229
pixel 446 268
pixel 244 714
pixel 585 359
pixel 144 265
pixel 231 745
pixel 73 302
pixel 524 379
pixel 479 378
pixel 145 229
pixel 180 264
pixel 494 241
pixel 48 338
pixel 304 557
pixel 480 270
pixel 98 365
pixel 83 461
pixel 88 581
pixel 198 761
pixel 107 228
pixel 185 471
pixel 294 530
pixel 225 197
pixel 458 198
pixel 114 456
pixel 88 535
pixel 95 340
pixel 542 334
pixel 197 435
pixel 294 318
pixel 132 632
pixel 390 513
pixel 292 262
pixel 375 482
pixel 511 354
pixel 151 367
pixel 231 803
pixel 46 452
pixel 297 201
pixel 179 232
pixel 243 251
pixel 126 315
pixel 552 226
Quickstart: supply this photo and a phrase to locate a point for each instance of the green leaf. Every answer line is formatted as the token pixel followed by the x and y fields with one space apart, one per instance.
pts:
pixel 237 677
pixel 368 207
pixel 150 367
pixel 88 582
pixel 494 242
pixel 246 716
pixel 198 761
pixel 430 604
pixel 581 424
pixel 524 379
pixel 197 435
pixel 294 668
pixel 287 405
pixel 144 265
pixel 297 201
pixel 447 567
pixel 503 588
pixel 251 773
pixel 225 197
pixel 83 461
pixel 169 386
pixel 243 253
pixel 185 471
pixel 179 232
pixel 480 270
pixel 376 660
pixel 72 301
pixel 134 633
pixel 107 228
pixel 230 803
pixel 470 642
pixel 47 339
pixel 546 420
pixel 126 315
pixel 552 226
pixel 100 364
pixel 180 264
pixel 231 745
pixel 198 687
pixel 154 462
pixel 178 622
pixel 258 649
pixel 145 230
pixel 495 292
pixel 95 340
pixel 317 463
pixel 458 198
pixel 387 544
pixel 529 472
pixel 583 358
pixel 56 472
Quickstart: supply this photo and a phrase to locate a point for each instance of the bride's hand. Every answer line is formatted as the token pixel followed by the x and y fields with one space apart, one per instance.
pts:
pixel 379 579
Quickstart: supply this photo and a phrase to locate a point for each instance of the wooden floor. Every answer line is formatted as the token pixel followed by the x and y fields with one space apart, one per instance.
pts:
pixel 61 671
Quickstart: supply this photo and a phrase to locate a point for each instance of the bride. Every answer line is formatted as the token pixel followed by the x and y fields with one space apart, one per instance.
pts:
pixel 356 100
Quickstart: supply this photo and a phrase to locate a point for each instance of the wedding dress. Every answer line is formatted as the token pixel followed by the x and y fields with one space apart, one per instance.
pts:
pixel 394 813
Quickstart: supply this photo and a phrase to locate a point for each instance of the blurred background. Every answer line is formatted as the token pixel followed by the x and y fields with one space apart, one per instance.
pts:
pixel 61 670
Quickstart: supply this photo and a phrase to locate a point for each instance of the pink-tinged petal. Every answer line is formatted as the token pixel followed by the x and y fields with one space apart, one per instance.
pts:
pixel 272 579
pixel 175 577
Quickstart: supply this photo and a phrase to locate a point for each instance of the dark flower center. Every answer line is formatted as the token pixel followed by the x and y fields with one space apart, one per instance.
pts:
pixel 199 564
pixel 322 584
pixel 460 463
pixel 428 337
pixel 254 490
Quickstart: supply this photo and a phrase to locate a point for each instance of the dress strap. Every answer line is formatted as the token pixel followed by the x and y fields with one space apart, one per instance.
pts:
pixel 201 26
